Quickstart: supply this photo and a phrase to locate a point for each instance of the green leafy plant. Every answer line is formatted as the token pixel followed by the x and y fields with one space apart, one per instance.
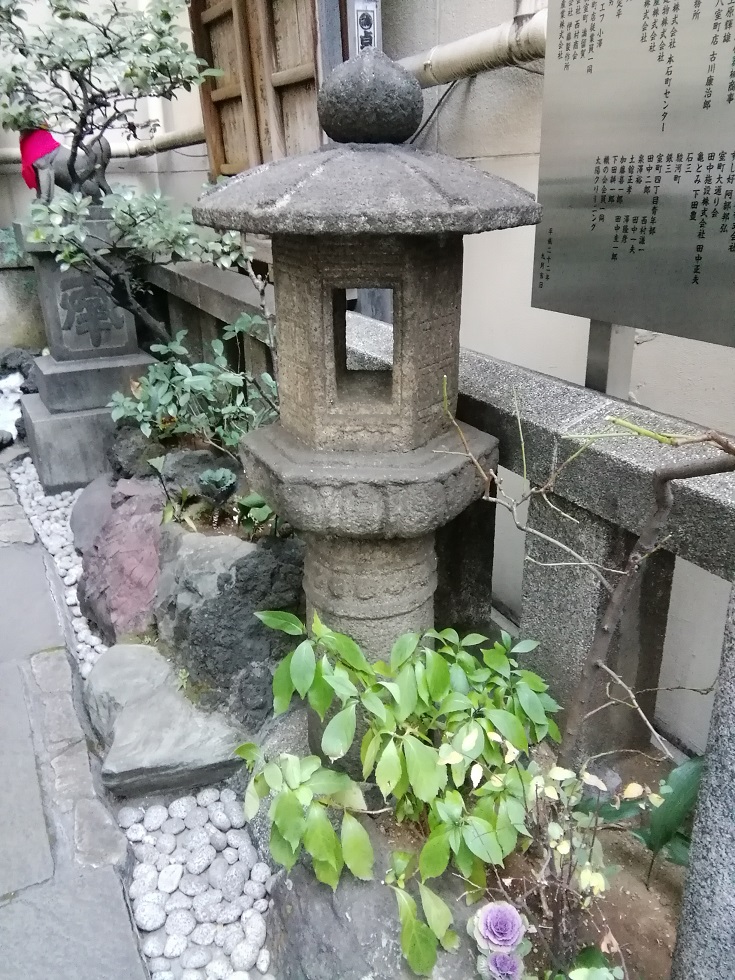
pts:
pixel 182 506
pixel 302 792
pixel 446 730
pixel 209 401
pixel 668 829
pixel 255 516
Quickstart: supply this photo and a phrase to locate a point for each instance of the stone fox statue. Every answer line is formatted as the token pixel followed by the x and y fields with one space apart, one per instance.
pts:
pixel 45 165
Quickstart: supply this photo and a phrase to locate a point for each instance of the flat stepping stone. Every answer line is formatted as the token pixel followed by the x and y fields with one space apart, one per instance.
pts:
pixel 156 739
pixel 29 619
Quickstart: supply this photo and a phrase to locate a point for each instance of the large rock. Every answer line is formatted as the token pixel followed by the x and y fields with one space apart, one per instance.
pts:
pixel 91 511
pixel 183 467
pixel 129 452
pixel 155 738
pixel 209 589
pixel 14 359
pixel 120 570
pixel 354 933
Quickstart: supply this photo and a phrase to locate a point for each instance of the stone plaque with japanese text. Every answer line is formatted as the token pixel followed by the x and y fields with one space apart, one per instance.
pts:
pixel 638 165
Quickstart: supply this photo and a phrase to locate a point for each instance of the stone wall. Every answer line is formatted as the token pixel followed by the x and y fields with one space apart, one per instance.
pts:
pixel 21 321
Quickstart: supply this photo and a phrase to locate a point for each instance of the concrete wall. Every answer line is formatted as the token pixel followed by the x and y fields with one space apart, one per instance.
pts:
pixel 493 121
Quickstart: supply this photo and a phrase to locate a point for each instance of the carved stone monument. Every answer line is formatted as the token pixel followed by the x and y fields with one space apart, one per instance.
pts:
pixel 367 464
pixel 93 351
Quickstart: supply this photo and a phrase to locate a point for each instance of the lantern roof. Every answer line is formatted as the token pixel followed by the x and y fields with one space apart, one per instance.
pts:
pixel 366 182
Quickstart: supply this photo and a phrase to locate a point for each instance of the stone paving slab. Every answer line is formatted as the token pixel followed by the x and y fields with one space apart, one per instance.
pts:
pixel 75 929
pixel 29 620
pixel 25 855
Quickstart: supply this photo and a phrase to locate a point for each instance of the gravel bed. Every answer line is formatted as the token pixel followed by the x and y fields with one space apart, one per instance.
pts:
pixel 199 891
pixel 49 516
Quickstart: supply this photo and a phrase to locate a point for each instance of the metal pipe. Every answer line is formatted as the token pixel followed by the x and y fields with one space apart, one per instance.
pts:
pixel 133 148
pixel 515 42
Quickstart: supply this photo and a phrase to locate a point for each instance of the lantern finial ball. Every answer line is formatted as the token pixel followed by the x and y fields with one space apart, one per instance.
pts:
pixel 370 99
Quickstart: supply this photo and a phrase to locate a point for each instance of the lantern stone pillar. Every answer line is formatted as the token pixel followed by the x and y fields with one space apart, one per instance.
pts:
pixel 366 465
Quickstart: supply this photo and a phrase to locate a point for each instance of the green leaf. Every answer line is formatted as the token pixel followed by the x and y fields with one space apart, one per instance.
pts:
pixel 408 694
pixel 282 621
pixel 339 733
pixel 450 939
pixel 403 650
pixel 472 640
pixel 667 819
pixel 248 751
pixel 418 942
pixel 349 652
pixel 374 705
pixel 460 684
pixel 288 816
pixel 327 873
pixel 525 646
pixel 357 850
pixel 388 770
pixel 480 837
pixel 533 680
pixel 554 733
pixel 677 850
pixel 273 776
pixel 326 782
pixel 509 727
pixel 436 911
pixel 437 675
pixel 282 686
pixel 530 703
pixel 339 681
pixel 497 660
pixel 425 773
pixel 369 752
pixel 281 850
pixel 303 666
pixel 434 856
pixel 251 803
pixel 320 693
pixel 321 841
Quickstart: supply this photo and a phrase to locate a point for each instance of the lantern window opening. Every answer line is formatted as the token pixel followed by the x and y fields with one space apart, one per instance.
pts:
pixel 371 386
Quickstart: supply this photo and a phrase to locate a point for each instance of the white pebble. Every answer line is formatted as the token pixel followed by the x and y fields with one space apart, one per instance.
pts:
pixel 154 944
pixel 155 817
pixel 228 795
pixel 195 957
pixel 193 839
pixel 203 935
pixel 217 871
pixel 135 832
pixel 230 855
pixel 200 859
pixel 193 885
pixel 163 862
pixel 170 878
pixel 231 936
pixel 174 825
pixel 254 889
pixel 178 901
pixel 263 961
pixel 245 955
pixel 175 946
pixel 261 905
pixel 141 869
pixel 239 975
pixel 166 843
pixel 228 913
pixel 233 882
pixel 207 796
pixel 196 818
pixel 254 929
pixel 218 817
pixel 261 873
pixel 129 815
pixel 216 838
pixel 163 975
pixel 182 806
pixel 235 813
pixel 192 975
pixel 180 923
pixel 149 916
pixel 159 964
pixel 218 969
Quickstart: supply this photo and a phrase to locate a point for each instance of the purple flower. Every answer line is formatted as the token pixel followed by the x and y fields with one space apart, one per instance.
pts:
pixel 498 927
pixel 505 966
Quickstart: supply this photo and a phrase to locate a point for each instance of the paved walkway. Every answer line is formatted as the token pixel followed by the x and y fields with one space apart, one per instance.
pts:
pixel 63 913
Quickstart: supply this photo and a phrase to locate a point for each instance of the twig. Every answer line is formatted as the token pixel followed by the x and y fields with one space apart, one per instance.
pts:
pixel 520 432
pixel 600 648
pixel 634 703
pixel 574 564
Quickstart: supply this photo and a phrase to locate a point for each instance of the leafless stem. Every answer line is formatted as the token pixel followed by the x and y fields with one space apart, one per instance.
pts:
pixel 634 703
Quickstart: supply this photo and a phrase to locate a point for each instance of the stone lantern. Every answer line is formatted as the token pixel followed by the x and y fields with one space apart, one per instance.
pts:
pixel 366 465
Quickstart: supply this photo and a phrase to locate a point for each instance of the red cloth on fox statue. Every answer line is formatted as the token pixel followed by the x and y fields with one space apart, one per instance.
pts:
pixel 33 146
